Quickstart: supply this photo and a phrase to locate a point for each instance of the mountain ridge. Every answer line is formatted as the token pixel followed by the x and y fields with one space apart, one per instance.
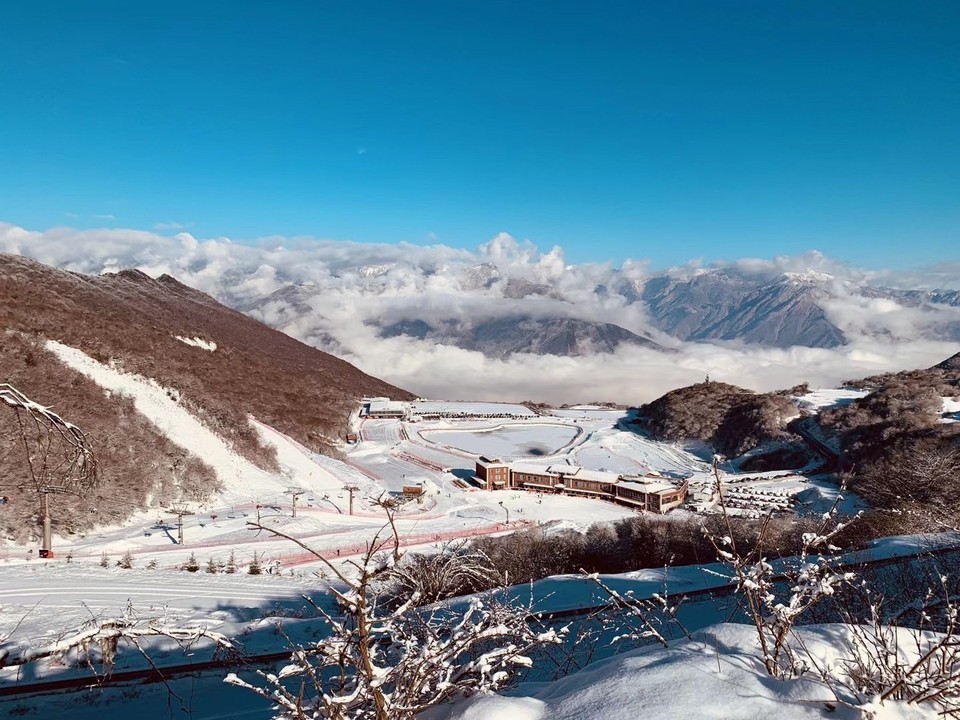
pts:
pixel 219 364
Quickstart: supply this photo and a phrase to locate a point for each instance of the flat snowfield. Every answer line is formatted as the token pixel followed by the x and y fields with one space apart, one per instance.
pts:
pixel 506 441
pixel 40 601
pixel 588 412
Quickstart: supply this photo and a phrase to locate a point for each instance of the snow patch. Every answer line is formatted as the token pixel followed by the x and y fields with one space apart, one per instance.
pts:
pixel 951 410
pixel 824 399
pixel 197 342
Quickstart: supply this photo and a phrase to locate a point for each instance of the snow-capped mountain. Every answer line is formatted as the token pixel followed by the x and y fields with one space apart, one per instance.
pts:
pixel 503 321
pixel 809 309
pixel 781 312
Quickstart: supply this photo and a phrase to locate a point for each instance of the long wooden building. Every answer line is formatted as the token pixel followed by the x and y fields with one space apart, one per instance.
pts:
pixel 651 493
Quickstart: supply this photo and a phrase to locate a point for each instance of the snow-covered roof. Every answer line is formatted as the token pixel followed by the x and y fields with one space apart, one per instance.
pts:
pixel 570 471
pixel 647 487
pixel 596 475
pixel 383 406
pixel 538 469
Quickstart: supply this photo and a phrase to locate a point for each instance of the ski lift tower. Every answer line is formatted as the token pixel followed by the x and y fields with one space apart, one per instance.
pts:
pixel 351 489
pixel 295 492
pixel 46 548
pixel 180 511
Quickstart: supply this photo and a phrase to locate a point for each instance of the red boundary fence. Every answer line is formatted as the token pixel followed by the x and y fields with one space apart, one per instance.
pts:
pixel 405 541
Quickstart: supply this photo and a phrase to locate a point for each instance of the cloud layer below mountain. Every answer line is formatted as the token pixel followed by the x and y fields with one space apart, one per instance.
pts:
pixel 334 289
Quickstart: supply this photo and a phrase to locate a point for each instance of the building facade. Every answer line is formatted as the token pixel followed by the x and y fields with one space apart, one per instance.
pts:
pixel 649 493
pixel 494 474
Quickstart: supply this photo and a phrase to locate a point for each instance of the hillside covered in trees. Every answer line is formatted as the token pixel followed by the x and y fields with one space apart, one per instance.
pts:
pixel 899 448
pixel 732 419
pixel 219 364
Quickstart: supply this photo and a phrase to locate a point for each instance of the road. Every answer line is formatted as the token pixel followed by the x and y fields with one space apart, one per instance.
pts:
pixel 831 460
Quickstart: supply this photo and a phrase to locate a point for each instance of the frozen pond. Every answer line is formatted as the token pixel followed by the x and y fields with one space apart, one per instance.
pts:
pixel 506 440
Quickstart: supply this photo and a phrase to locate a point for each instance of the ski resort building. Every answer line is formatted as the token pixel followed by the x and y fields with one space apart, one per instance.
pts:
pixel 651 493
pixel 494 474
pixel 382 408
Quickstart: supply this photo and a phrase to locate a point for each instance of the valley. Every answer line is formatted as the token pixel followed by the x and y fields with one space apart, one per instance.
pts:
pixel 242 476
pixel 190 560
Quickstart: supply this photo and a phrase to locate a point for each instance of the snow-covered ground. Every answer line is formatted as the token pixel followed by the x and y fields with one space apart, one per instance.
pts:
pixel 506 441
pixel 42 602
pixel 716 674
pixel 588 412
pixel 828 398
pixel 951 410
pixel 49 598
pixel 248 610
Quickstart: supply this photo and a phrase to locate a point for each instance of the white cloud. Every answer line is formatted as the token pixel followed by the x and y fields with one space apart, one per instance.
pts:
pixel 340 285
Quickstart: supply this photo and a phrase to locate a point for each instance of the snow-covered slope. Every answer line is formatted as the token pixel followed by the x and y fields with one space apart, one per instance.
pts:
pixel 160 406
pixel 716 675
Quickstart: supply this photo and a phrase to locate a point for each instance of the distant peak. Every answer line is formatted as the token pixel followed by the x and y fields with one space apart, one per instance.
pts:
pixel 809 277
pixel 374 270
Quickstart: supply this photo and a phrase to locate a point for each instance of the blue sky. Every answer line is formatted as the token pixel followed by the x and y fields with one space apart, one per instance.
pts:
pixel 667 131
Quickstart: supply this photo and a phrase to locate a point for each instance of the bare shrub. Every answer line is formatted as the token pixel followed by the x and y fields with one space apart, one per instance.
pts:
pixel 392 662
pixel 429 578
pixel 812 578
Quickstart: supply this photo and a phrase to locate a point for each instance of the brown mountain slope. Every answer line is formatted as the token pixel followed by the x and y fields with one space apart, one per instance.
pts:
pixel 136 460
pixel 944 378
pixel 133 320
pixel 900 451
pixel 731 419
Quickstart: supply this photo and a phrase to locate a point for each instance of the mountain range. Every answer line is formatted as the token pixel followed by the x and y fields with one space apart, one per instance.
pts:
pixel 500 315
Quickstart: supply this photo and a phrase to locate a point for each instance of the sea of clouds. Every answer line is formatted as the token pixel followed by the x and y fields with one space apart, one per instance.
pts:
pixel 329 294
